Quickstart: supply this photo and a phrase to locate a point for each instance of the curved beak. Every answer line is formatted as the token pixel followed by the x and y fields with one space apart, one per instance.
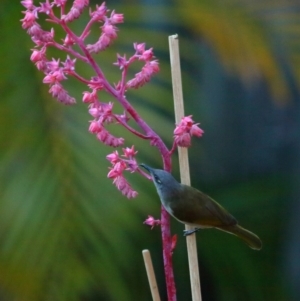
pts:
pixel 146 167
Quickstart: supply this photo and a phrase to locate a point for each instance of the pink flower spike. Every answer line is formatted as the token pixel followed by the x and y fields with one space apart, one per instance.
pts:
pixel 183 140
pixel 113 157
pixel 117 170
pixel 187 121
pixel 124 187
pixel 108 139
pixel 76 10
pixel 61 95
pixel 54 77
pixel 150 221
pixel 132 165
pixel 53 65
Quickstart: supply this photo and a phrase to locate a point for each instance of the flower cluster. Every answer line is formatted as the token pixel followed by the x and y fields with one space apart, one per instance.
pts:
pixel 102 112
pixel 185 130
pixel 119 164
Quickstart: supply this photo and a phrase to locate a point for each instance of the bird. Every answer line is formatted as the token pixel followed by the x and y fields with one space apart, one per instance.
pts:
pixel 192 207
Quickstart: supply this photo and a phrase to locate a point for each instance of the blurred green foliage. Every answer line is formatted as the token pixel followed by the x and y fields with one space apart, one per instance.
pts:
pixel 66 233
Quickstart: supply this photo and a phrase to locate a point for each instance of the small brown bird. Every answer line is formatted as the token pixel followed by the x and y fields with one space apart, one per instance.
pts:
pixel 192 207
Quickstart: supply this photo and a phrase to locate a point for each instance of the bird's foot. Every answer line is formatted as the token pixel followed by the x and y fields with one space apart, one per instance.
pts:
pixel 189 232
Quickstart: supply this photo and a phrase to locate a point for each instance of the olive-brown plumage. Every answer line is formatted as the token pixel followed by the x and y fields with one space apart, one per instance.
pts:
pixel 190 206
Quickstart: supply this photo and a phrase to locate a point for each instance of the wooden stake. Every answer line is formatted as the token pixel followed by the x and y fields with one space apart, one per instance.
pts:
pixel 184 163
pixel 151 275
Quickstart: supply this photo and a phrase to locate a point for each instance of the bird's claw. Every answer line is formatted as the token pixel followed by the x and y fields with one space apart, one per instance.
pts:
pixel 189 232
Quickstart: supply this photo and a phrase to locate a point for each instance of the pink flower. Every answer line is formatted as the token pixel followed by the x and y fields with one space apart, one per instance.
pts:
pixel 144 76
pixel 129 152
pixel 108 139
pixel 29 19
pixel 150 221
pixel 139 48
pixel 101 44
pixel 147 55
pixel 76 10
pixel 116 18
pixel 196 131
pixel 38 55
pixel 185 130
pixel 113 157
pixel 61 95
pixel 99 13
pixel 122 185
pixel 94 127
pixel 121 61
pixel 53 65
pixel 90 97
pixel 69 64
pixel 28 4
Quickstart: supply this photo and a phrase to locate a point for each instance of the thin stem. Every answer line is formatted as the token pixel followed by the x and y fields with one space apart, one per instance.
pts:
pixel 130 129
pixel 149 134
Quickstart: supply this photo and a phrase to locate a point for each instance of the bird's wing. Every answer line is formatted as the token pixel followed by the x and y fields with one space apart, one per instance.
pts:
pixel 220 213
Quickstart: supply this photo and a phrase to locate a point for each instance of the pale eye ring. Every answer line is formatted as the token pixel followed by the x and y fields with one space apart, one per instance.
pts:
pixel 157 180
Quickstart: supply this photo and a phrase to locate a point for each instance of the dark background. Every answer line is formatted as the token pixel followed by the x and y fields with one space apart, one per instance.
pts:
pixel 66 233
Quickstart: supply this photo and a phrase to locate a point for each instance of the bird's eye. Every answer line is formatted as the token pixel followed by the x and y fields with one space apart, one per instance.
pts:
pixel 157 180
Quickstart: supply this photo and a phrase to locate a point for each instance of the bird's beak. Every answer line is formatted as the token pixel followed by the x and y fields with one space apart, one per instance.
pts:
pixel 146 167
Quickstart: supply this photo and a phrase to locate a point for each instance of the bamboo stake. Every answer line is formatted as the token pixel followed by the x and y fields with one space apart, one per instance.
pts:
pixel 184 163
pixel 151 275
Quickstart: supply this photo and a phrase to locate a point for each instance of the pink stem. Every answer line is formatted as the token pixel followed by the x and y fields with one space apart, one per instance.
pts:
pixel 165 154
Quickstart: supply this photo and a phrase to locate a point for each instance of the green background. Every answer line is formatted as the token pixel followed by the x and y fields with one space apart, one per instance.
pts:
pixel 66 233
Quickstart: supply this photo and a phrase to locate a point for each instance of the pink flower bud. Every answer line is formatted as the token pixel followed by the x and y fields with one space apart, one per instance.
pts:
pixel 183 140
pixel 109 30
pixel 28 4
pixel 139 48
pixel 99 13
pixel 129 152
pixel 89 97
pixel 150 221
pixel 196 131
pixel 113 157
pixel 116 18
pixel 147 55
pixel 94 127
pixel 29 19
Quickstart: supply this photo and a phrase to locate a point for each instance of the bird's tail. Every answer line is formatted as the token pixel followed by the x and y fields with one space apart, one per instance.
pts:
pixel 252 240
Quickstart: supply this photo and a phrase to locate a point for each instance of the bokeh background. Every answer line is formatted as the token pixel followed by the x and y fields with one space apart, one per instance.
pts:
pixel 66 233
